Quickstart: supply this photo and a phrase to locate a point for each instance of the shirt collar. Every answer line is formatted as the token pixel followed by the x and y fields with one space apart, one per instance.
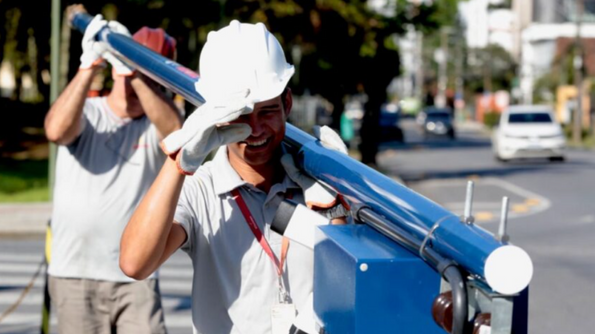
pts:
pixel 226 179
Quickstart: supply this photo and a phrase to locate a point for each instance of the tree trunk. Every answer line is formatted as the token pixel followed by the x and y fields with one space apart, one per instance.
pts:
pixel 369 132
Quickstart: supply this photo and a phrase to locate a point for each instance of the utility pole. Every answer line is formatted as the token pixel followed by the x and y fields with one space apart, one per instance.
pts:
pixel 440 100
pixel 487 62
pixel 459 84
pixel 578 76
pixel 55 77
pixel 419 70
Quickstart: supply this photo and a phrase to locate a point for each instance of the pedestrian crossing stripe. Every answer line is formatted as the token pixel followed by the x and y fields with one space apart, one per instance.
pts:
pixel 19 263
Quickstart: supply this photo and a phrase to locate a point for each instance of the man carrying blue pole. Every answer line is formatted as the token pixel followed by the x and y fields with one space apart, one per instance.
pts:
pixel 108 156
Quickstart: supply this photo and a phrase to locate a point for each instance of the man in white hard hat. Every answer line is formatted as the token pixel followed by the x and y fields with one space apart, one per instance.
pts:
pixel 247 278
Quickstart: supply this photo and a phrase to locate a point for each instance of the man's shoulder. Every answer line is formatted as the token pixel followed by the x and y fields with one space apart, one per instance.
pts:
pixel 95 102
pixel 94 108
pixel 205 173
pixel 203 177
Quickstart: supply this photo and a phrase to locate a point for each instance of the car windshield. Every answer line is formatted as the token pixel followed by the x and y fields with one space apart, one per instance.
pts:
pixel 536 117
pixel 438 115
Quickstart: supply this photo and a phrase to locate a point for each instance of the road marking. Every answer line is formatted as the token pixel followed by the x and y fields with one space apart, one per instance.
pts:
pixel 532 201
pixel 476 205
pixel 489 211
pixel 18 265
pixel 483 216
pixel 588 219
pixel 520 208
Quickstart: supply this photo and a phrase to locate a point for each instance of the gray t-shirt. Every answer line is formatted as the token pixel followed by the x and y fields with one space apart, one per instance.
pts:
pixel 235 283
pixel 100 179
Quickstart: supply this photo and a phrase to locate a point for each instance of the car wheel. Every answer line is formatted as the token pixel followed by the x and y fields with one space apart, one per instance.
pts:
pixel 399 135
pixel 500 159
pixel 557 159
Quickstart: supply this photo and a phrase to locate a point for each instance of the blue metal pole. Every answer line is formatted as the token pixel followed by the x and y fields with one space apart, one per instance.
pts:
pixel 468 245
pixel 163 70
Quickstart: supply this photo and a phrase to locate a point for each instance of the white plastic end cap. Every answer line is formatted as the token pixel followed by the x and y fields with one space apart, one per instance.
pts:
pixel 508 270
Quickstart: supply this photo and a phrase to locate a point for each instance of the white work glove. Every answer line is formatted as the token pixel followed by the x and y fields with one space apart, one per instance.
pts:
pixel 119 67
pixel 92 48
pixel 207 129
pixel 317 196
pixel 329 139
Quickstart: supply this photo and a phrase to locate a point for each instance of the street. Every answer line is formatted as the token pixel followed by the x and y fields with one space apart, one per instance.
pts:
pixel 552 214
pixel 552 217
pixel 19 259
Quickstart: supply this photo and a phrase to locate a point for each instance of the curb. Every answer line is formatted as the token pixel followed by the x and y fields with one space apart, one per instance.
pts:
pixel 18 219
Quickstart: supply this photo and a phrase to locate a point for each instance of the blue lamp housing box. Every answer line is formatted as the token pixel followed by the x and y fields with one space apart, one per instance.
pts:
pixel 366 283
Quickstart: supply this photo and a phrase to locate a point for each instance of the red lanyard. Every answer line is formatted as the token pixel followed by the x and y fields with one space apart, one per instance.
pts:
pixel 258 234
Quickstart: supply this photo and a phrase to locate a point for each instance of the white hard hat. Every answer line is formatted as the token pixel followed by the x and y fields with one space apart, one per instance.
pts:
pixel 243 56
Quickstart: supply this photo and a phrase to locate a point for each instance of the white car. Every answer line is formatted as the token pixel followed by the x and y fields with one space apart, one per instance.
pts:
pixel 528 132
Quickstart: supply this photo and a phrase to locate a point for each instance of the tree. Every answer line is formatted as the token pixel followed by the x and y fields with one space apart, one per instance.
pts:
pixel 336 45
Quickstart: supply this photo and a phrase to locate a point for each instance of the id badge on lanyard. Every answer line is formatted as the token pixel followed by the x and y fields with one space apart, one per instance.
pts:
pixel 282 317
pixel 283 312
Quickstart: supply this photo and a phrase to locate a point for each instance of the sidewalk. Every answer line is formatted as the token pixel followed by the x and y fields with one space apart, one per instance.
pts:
pixel 21 219
pixel 470 125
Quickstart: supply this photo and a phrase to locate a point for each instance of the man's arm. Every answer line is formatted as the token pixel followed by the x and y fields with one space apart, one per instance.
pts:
pixel 63 121
pixel 159 108
pixel 151 235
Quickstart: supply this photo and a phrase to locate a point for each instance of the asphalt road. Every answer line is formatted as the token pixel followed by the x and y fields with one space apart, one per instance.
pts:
pixel 552 214
pixel 20 258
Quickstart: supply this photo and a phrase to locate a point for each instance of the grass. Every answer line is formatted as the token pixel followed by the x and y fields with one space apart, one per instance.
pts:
pixel 588 140
pixel 23 180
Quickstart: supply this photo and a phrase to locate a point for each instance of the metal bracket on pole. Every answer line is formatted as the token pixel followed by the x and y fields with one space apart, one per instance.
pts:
pixel 502 236
pixel 467 216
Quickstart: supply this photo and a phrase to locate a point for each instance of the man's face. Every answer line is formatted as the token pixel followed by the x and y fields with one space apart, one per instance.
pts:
pixel 268 130
pixel 134 107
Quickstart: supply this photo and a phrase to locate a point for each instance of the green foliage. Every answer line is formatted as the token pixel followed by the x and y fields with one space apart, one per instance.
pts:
pixel 492 62
pixel 23 181
pixel 335 45
pixel 586 135
pixel 561 73
pixel 40 194
pixel 491 119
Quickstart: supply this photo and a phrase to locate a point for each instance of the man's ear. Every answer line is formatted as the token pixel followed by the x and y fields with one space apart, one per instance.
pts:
pixel 287 101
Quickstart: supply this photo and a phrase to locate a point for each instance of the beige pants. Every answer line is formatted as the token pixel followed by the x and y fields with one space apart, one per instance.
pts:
pixel 102 307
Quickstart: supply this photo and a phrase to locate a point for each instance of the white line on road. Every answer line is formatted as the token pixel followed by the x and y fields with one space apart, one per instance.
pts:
pixel 537 204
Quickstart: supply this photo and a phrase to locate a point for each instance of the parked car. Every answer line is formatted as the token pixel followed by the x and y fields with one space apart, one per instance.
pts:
pixel 389 123
pixel 436 121
pixel 528 132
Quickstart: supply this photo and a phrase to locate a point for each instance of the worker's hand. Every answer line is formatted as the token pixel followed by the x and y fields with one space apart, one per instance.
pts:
pixel 329 138
pixel 119 67
pixel 316 195
pixel 73 10
pixel 207 129
pixel 92 48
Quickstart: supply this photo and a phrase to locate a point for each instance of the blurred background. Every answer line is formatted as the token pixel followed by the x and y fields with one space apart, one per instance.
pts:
pixel 416 89
pixel 360 64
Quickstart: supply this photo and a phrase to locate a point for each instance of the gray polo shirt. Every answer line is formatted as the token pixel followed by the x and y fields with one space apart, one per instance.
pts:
pixel 100 179
pixel 235 282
